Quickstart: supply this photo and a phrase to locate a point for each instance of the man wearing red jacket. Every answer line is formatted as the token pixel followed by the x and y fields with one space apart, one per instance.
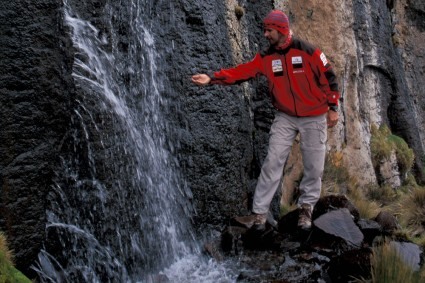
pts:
pixel 304 91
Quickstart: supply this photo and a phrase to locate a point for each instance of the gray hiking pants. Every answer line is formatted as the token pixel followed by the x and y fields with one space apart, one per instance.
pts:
pixel 313 132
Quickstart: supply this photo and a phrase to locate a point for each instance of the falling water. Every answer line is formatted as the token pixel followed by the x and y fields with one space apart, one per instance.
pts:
pixel 120 210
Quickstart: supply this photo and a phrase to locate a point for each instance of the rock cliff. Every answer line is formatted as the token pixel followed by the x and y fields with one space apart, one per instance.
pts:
pixel 35 91
pixel 375 46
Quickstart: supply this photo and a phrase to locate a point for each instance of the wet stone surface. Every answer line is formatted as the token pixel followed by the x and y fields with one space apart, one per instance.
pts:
pixel 338 248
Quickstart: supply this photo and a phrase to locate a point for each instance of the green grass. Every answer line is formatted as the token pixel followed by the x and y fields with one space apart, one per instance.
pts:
pixel 380 146
pixel 8 273
pixel 405 155
pixel 383 143
pixel 382 194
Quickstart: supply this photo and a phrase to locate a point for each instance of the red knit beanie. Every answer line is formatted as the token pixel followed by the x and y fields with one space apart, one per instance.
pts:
pixel 277 20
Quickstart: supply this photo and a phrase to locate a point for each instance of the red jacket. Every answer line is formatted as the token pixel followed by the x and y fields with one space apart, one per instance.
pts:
pixel 301 80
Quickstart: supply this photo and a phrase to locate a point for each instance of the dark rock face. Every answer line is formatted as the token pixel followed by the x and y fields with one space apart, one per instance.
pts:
pixel 415 73
pixel 416 13
pixel 221 149
pixel 35 92
pixel 215 128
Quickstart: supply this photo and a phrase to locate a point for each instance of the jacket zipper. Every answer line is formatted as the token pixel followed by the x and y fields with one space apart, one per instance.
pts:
pixel 290 85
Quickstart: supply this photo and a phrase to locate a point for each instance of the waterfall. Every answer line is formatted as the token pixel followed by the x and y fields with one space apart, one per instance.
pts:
pixel 120 209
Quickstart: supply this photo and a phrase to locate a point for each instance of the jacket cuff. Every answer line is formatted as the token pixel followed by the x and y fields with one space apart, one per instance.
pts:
pixel 212 77
pixel 333 108
pixel 333 98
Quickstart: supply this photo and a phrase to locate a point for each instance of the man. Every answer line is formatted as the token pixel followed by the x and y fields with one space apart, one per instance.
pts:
pixel 304 91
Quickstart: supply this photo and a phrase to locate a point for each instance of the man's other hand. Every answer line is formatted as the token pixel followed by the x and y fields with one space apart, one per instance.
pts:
pixel 201 79
pixel 332 118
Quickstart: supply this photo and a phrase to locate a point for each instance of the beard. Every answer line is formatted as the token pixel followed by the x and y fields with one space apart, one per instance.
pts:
pixel 273 42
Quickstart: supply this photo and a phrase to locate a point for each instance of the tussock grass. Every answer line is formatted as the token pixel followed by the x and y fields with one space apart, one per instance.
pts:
pixel 334 171
pixel 383 194
pixel 337 180
pixel 412 208
pixel 413 235
pixel 367 209
pixel 387 266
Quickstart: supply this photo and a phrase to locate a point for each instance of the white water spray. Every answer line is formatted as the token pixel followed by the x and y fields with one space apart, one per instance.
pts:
pixel 120 210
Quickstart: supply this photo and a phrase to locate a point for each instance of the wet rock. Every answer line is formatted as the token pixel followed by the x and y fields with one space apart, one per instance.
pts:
pixel 261 239
pixel 262 268
pixel 35 98
pixel 289 246
pixel 337 249
pixel 340 223
pixel 159 278
pixel 352 264
pixel 231 239
pixel 275 267
pixel 220 157
pixel 214 250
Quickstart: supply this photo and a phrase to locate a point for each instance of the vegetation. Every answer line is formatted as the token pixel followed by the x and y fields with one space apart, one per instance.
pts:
pixel 383 143
pixel 286 208
pixel 380 147
pixel 387 266
pixel 239 11
pixel 407 203
pixel 8 273
pixel 412 209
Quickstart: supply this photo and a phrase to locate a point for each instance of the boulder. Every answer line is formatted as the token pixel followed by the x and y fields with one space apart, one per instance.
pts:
pixel 340 223
pixel 387 221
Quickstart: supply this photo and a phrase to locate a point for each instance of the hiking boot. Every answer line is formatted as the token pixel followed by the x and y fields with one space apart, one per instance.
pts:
pixel 304 219
pixel 258 221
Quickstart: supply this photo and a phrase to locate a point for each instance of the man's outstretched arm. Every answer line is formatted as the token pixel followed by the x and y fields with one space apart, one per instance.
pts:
pixel 238 74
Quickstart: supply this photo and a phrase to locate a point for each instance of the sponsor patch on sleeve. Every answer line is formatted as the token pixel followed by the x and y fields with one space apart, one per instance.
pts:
pixel 323 58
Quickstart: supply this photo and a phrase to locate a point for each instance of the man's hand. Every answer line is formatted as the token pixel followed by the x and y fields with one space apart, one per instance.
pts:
pixel 332 118
pixel 201 79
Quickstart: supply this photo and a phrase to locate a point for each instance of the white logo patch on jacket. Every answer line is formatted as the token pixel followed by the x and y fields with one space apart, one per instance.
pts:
pixel 297 60
pixel 297 64
pixel 277 66
pixel 323 58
